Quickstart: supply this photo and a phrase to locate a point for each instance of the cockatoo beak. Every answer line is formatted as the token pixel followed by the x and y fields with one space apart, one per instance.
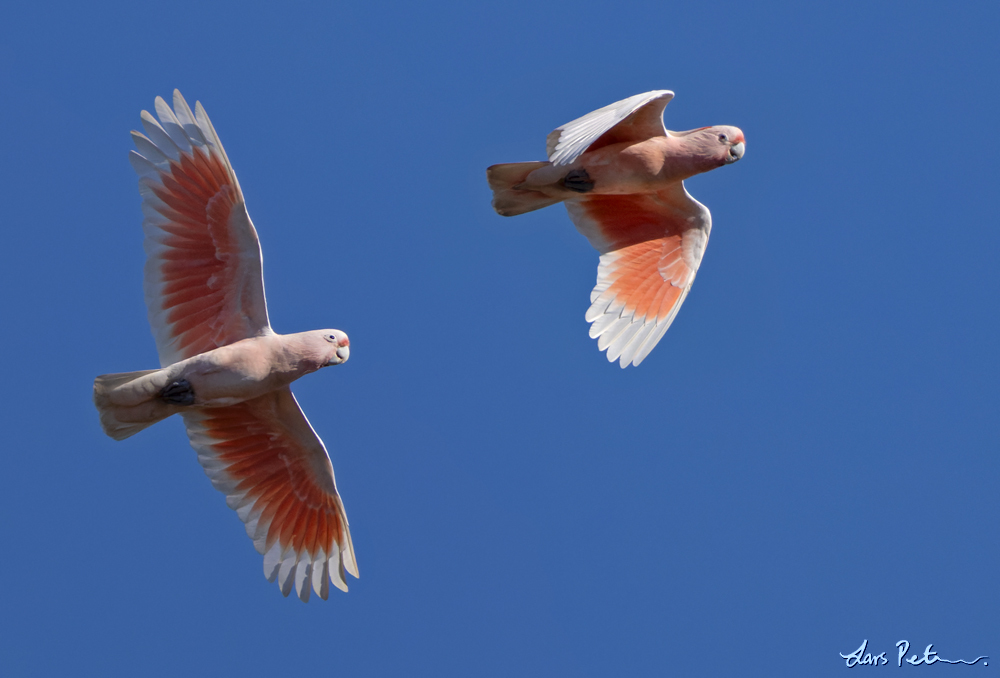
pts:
pixel 736 152
pixel 343 351
pixel 341 356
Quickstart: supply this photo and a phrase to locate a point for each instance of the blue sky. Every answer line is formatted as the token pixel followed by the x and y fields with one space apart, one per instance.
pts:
pixel 808 459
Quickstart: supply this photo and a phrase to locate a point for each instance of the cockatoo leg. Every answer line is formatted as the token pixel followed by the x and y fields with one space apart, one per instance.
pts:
pixel 178 393
pixel 579 181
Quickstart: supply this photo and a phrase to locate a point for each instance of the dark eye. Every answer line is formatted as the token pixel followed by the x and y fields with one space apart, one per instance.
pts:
pixel 332 338
pixel 723 137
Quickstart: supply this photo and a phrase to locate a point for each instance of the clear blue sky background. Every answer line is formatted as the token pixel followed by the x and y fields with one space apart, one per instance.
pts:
pixel 808 459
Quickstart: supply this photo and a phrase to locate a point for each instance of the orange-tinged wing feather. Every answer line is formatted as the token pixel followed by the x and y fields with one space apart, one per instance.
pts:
pixel 275 472
pixel 651 246
pixel 203 281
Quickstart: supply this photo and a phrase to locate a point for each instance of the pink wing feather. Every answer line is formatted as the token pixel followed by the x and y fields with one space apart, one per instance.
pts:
pixel 203 282
pixel 651 246
pixel 265 457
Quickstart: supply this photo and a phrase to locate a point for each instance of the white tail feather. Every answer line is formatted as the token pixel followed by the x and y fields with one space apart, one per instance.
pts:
pixel 118 421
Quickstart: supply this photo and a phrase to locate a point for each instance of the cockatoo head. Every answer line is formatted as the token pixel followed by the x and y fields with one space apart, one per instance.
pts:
pixel 732 141
pixel 712 147
pixel 338 347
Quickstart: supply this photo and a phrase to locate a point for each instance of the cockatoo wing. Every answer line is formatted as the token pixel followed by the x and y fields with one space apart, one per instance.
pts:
pixel 634 119
pixel 203 282
pixel 275 472
pixel 651 246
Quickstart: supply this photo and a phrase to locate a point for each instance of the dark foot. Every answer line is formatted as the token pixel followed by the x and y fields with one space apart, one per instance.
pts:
pixel 579 181
pixel 178 393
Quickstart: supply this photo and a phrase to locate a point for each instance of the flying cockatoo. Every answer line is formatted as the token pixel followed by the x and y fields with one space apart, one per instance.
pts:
pixel 223 368
pixel 621 175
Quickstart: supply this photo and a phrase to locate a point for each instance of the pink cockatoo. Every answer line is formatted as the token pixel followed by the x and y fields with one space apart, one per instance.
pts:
pixel 621 175
pixel 224 370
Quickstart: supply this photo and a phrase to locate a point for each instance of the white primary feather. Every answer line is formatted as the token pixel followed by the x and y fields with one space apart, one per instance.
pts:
pixel 172 126
pixel 347 554
pixel 238 501
pixel 159 136
pixel 618 345
pixel 643 349
pixel 142 167
pixel 602 323
pixel 302 572
pixel 632 348
pixel 208 130
pixel 186 119
pixel 321 576
pixel 285 572
pixel 602 306
pixel 613 332
pixel 272 559
pixel 149 151
pixel 337 573
pixel 253 525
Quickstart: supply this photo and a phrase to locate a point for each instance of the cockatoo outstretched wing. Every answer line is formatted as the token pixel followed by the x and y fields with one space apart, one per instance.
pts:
pixel 203 280
pixel 276 474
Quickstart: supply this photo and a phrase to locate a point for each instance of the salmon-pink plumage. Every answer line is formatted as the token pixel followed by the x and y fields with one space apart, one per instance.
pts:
pixel 621 174
pixel 265 457
pixel 223 368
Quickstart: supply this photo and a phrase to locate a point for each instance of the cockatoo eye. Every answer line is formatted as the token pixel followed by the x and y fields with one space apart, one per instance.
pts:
pixel 331 338
pixel 723 137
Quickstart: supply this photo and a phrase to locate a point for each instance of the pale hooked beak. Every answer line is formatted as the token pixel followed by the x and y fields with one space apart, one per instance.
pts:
pixel 736 152
pixel 343 351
